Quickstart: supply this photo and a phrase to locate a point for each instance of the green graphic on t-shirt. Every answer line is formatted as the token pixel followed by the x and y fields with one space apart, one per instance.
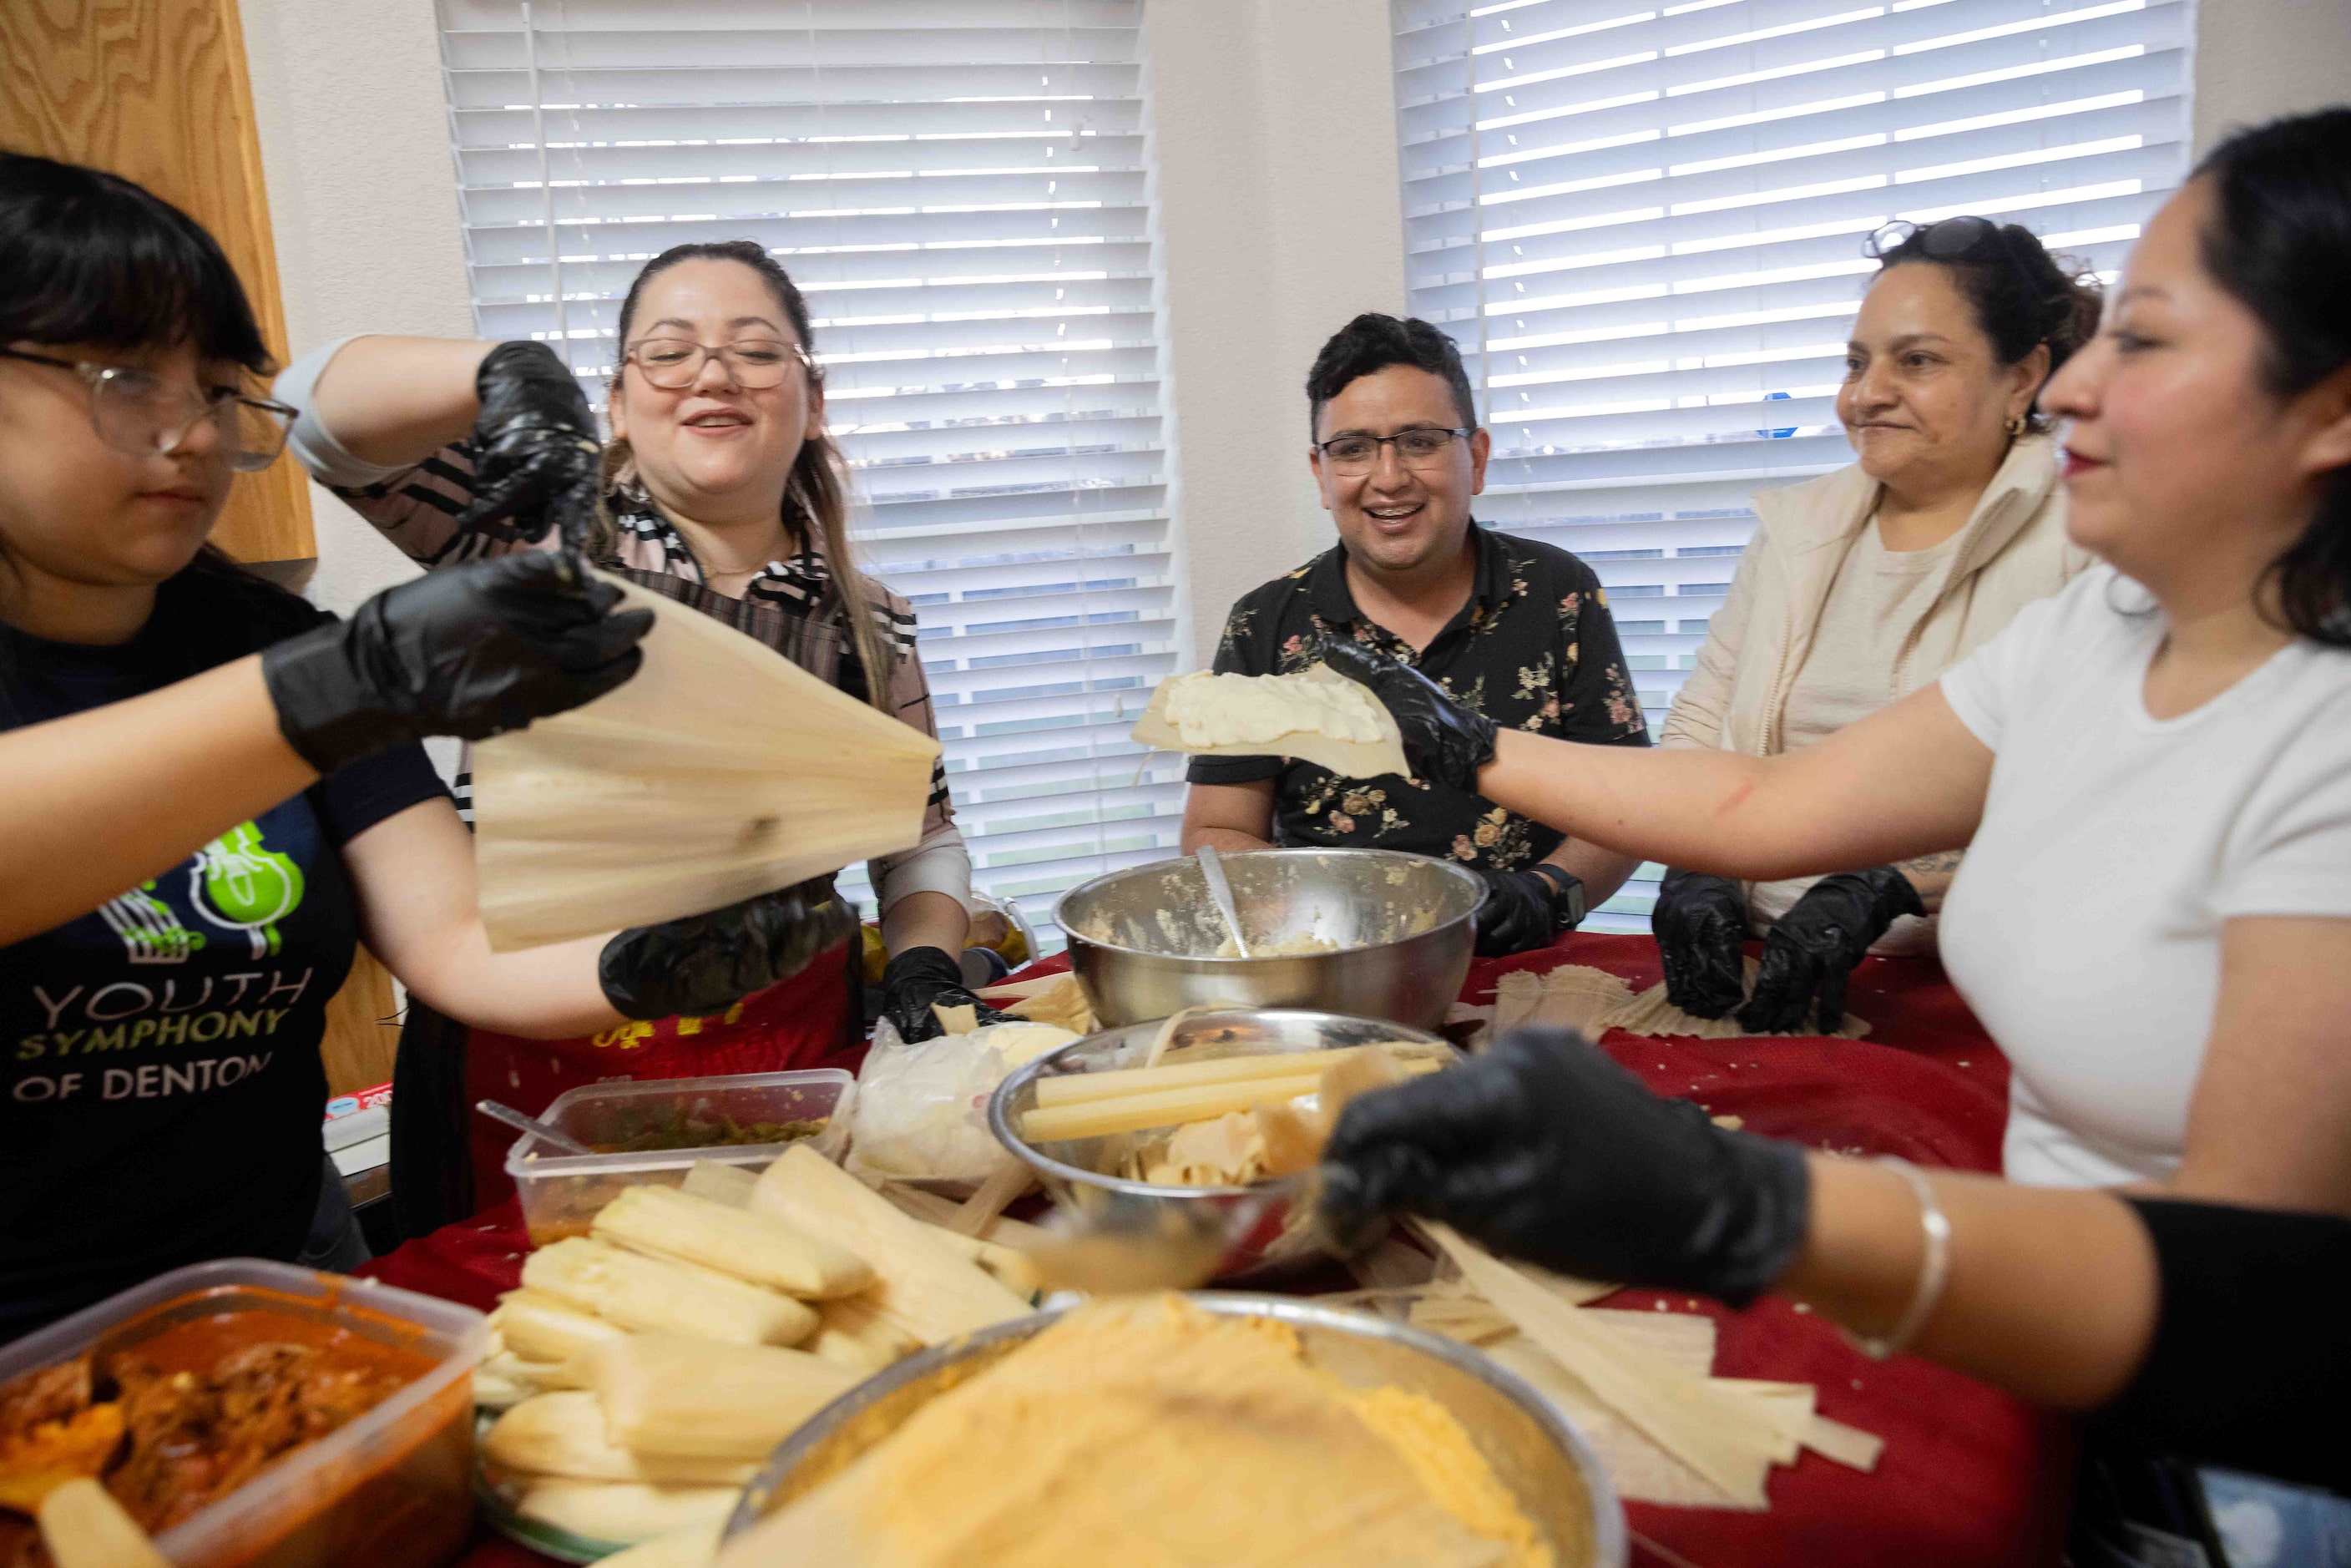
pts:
pixel 240 883
pixel 151 931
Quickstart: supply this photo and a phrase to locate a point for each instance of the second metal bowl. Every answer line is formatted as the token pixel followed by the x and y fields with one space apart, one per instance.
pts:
pixel 1144 941
pixel 1073 1172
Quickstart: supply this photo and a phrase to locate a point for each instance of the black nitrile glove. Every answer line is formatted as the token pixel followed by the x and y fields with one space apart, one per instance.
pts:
pixel 1524 910
pixel 473 651
pixel 537 461
pixel 919 977
pixel 706 963
pixel 1700 922
pixel 1545 1149
pixel 1445 742
pixel 1813 947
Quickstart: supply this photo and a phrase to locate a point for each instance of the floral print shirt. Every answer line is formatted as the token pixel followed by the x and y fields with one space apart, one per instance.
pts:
pixel 1533 649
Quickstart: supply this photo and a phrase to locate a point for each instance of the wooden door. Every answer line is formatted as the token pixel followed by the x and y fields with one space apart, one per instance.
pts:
pixel 156 90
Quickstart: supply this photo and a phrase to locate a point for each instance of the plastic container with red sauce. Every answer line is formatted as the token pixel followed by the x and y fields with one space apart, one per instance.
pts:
pixel 391 1489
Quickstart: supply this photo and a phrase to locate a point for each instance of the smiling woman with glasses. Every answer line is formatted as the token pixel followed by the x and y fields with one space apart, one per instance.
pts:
pixel 721 487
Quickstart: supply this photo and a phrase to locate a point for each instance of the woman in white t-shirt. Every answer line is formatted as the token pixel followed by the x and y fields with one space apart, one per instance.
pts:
pixel 2151 772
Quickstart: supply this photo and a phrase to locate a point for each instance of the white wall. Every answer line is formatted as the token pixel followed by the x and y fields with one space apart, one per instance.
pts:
pixel 2256 59
pixel 364 202
pixel 1279 217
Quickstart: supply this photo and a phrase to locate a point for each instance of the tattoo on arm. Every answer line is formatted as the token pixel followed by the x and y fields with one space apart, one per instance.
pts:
pixel 1947 860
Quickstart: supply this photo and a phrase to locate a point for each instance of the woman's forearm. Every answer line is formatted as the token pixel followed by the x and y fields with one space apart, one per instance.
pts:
pixel 396 400
pixel 2052 1294
pixel 1904 781
pixel 94 804
pixel 539 993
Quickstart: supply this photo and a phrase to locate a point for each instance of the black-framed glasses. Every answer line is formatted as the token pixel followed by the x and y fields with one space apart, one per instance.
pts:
pixel 1422 446
pixel 673 364
pixel 139 413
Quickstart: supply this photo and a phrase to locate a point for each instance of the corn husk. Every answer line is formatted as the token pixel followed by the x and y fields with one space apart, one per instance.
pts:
pixel 625 1512
pixel 667 1223
pixel 923 1285
pixel 84 1527
pixel 666 1396
pixel 721 770
pixel 1347 758
pixel 659 1295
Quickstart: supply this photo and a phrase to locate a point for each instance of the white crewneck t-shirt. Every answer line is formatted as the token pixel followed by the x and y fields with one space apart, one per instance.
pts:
pixel 2084 925
pixel 1877 601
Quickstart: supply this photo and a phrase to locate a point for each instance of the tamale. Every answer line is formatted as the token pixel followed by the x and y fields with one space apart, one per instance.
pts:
pixel 923 1285
pixel 661 1295
pixel 538 1326
pixel 759 1248
pixel 625 1512
pixel 562 1434
pixel 720 771
pixel 696 1546
pixel 697 1399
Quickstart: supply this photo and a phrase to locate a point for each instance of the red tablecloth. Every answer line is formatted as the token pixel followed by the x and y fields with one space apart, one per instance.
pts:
pixel 1969 1475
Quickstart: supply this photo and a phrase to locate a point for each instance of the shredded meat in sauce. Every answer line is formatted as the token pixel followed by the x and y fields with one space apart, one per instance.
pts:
pixel 188 1438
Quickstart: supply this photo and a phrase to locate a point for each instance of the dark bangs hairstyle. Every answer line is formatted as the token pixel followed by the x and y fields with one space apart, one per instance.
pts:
pixel 1371 343
pixel 816 497
pixel 2021 295
pixel 2279 241
pixel 92 259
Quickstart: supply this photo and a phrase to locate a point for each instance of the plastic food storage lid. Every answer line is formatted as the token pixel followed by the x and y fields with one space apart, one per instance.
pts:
pixel 814 1083
pixel 458 1336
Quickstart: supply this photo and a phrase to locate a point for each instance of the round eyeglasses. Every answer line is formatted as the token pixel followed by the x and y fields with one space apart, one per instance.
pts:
pixel 139 413
pixel 1423 446
pixel 755 364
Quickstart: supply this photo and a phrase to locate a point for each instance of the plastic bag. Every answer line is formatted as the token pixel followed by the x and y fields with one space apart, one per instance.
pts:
pixel 922 1110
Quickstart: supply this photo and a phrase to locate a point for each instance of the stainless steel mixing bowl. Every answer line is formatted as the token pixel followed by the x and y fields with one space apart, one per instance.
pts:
pixel 1071 1171
pixel 1535 1451
pixel 1144 941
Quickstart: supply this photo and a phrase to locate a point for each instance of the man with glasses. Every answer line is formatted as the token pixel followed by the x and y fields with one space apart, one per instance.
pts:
pixel 1517 630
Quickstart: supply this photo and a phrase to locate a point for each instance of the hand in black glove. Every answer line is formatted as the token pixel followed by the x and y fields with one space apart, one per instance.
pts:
pixel 1813 947
pixel 472 651
pixel 1545 1149
pixel 706 963
pixel 1700 922
pixel 1445 742
pixel 1524 910
pixel 537 462
pixel 919 977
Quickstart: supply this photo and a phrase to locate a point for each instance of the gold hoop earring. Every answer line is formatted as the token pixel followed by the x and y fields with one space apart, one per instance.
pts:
pixel 2017 426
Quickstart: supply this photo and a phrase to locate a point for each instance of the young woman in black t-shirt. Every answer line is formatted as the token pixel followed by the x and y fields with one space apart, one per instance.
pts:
pixel 210 791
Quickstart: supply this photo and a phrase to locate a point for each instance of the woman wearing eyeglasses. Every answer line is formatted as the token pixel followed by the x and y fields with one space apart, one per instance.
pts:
pixel 1863 586
pixel 721 490
pixel 208 790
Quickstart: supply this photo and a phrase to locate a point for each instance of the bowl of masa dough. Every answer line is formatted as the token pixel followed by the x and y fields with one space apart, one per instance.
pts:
pixel 1243 1431
pixel 1373 933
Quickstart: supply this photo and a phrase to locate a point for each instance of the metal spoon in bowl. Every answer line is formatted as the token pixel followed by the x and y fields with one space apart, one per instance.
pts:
pixel 546 1134
pixel 1221 891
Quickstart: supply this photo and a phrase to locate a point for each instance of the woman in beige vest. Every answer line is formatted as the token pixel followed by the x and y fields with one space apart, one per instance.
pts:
pixel 1863 585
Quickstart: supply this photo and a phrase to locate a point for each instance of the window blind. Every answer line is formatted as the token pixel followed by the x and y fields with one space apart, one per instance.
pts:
pixel 1644 227
pixel 958 187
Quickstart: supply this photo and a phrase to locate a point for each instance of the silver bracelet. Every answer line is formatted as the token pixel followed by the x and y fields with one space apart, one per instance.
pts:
pixel 1932 1274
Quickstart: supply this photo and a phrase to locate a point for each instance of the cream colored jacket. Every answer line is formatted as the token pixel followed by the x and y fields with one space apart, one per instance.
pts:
pixel 2013 551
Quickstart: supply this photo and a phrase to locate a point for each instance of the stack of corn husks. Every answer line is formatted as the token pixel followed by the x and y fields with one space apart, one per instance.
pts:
pixel 647 1369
